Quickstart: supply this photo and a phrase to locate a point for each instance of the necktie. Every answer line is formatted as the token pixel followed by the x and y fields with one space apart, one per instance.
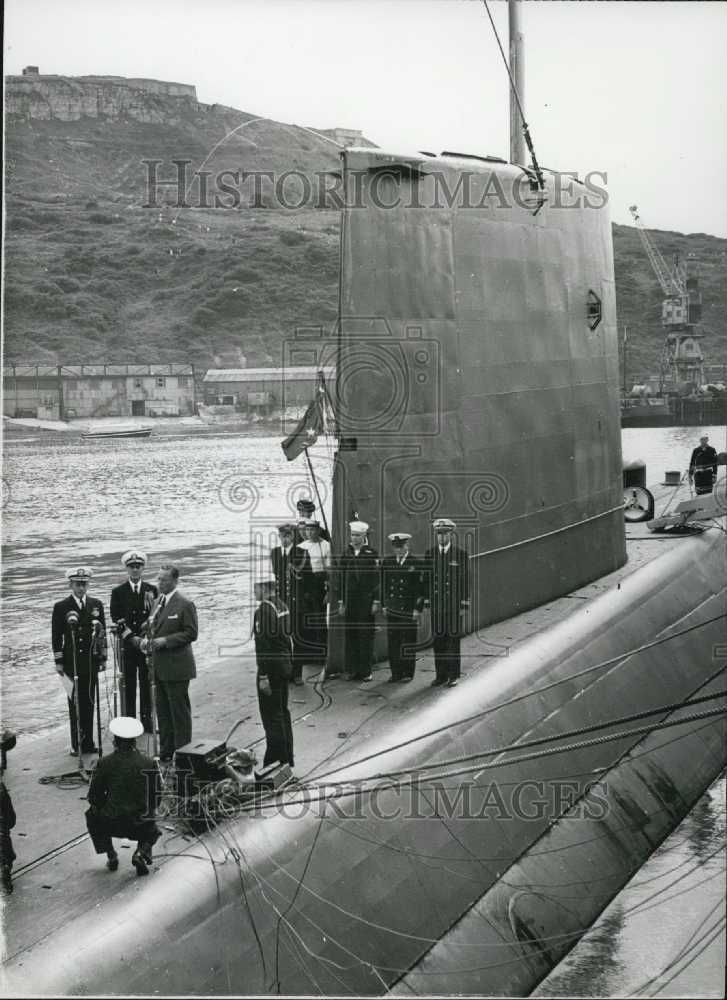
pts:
pixel 136 588
pixel 83 604
pixel 400 559
pixel 162 601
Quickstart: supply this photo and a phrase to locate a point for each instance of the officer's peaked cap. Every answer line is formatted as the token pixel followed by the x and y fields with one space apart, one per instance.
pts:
pixel 79 573
pixel 133 555
pixel 398 538
pixel 287 526
pixel 444 523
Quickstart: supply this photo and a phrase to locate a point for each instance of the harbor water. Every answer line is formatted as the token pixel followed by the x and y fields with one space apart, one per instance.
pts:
pixel 211 505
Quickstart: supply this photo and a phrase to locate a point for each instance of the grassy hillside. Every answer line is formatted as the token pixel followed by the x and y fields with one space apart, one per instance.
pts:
pixel 92 275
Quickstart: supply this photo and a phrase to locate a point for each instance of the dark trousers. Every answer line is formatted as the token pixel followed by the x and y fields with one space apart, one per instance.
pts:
pixel 101 829
pixel 703 481
pixel 135 664
pixel 86 690
pixel 174 713
pixel 401 637
pixel 276 723
pixel 446 657
pixel 359 645
pixel 310 641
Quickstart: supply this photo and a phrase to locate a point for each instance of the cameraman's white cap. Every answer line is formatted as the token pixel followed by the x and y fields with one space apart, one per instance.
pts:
pixel 126 728
pixel 360 527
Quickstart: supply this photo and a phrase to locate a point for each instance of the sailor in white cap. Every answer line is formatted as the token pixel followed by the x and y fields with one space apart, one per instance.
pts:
pixel 358 601
pixel 78 636
pixel 273 654
pixel 131 604
pixel 403 592
pixel 448 571
pixel 123 794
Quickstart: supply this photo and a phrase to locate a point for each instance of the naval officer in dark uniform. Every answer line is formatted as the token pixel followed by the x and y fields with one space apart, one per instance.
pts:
pixel 703 466
pixel 273 655
pixel 402 595
pixel 78 636
pixel 291 568
pixel 131 603
pixel 123 795
pixel 358 601
pixel 447 567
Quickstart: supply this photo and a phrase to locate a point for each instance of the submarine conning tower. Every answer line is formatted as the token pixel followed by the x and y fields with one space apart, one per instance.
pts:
pixel 477 370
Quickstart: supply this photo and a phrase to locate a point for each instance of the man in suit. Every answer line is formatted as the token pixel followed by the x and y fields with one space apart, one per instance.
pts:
pixel 78 636
pixel 131 604
pixel 170 631
pixel 273 655
pixel 448 571
pixel 402 596
pixel 703 466
pixel 358 601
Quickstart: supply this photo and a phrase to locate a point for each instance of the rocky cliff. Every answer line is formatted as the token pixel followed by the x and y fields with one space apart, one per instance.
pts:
pixel 69 98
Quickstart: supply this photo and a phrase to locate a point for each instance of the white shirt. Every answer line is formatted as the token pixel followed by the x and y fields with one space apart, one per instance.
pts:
pixel 135 586
pixel 444 549
pixel 401 559
pixel 80 601
pixel 320 554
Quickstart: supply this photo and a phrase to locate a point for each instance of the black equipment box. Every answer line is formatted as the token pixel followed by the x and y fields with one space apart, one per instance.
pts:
pixel 203 758
pixel 272 777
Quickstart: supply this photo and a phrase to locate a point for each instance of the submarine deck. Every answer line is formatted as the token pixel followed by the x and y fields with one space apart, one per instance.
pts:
pixel 57 875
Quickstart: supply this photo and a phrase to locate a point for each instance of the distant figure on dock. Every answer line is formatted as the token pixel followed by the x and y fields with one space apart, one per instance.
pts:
pixel 273 655
pixel 78 635
pixel 703 466
pixel 402 596
pixel 170 631
pixel 131 604
pixel 358 601
pixel 123 794
pixel 447 567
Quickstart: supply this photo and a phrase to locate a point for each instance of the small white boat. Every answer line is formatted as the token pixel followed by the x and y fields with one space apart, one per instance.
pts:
pixel 120 431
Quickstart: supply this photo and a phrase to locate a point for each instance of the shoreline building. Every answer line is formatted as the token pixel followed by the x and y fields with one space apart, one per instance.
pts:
pixel 68 392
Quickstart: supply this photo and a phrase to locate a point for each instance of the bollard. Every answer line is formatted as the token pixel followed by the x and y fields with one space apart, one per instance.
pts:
pixel 634 473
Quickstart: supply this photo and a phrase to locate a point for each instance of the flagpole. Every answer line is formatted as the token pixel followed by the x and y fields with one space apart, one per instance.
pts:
pixel 315 487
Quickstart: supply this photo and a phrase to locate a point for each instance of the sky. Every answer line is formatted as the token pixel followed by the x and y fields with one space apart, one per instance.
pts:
pixel 635 90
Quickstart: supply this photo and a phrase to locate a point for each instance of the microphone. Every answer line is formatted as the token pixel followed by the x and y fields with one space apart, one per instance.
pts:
pixel 72 619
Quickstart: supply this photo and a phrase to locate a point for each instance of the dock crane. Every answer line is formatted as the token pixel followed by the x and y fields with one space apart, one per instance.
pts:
pixel 682 361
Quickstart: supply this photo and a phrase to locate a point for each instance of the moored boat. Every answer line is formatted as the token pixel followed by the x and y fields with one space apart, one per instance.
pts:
pixel 119 431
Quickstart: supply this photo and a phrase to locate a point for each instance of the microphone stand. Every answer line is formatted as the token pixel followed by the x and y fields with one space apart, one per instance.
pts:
pixel 152 685
pixel 76 705
pixel 93 675
pixel 115 642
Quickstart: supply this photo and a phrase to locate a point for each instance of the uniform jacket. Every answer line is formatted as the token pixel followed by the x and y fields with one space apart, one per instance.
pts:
pixel 133 608
pixel 448 580
pixel 177 623
pixel 273 649
pixel 358 580
pixel 403 588
pixel 703 459
pixel 90 650
pixel 290 571
pixel 125 783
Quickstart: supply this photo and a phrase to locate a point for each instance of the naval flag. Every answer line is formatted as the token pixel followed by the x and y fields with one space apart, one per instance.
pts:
pixel 307 431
